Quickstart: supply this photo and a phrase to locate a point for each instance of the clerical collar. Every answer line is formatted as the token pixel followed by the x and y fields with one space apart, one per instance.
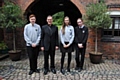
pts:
pixel 50 25
pixel 81 26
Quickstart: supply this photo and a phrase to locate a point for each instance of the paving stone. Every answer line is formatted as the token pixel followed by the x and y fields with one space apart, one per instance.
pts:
pixel 18 70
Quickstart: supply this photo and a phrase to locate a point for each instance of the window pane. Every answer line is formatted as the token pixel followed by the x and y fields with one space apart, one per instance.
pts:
pixel 116 33
pixel 107 33
pixel 117 21
pixel 114 29
pixel 116 26
pixel 110 26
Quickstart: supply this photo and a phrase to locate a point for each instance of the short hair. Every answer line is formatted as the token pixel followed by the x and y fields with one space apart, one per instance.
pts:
pixel 32 15
pixel 49 16
pixel 80 19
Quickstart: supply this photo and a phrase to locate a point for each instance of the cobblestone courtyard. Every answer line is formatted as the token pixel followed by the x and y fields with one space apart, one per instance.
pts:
pixel 107 70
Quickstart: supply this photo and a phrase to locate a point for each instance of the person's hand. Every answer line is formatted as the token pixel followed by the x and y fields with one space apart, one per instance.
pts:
pixel 56 47
pixel 33 45
pixel 65 46
pixel 42 48
pixel 68 45
pixel 80 45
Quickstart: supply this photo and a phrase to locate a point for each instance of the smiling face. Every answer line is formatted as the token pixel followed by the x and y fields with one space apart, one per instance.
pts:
pixel 79 22
pixel 32 19
pixel 66 21
pixel 49 20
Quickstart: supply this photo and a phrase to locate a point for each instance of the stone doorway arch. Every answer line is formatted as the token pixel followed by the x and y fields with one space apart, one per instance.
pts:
pixel 42 8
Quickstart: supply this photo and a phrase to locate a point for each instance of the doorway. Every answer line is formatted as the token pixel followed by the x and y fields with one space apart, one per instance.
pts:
pixel 43 8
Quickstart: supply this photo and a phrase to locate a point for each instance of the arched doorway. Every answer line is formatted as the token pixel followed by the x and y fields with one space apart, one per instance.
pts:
pixel 43 8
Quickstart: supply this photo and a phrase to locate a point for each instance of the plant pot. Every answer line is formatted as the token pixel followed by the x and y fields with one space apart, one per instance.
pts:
pixel 15 55
pixel 95 58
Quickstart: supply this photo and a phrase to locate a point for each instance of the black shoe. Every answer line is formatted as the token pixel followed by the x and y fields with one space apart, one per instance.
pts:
pixel 37 71
pixel 53 71
pixel 80 69
pixel 62 71
pixel 45 72
pixel 76 68
pixel 68 69
pixel 31 72
pixel 48 70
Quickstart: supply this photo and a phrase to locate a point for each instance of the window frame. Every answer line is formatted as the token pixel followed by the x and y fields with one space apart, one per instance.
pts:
pixel 112 37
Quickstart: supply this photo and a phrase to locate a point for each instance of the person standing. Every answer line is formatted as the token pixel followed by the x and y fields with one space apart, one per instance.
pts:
pixel 32 35
pixel 81 36
pixel 66 42
pixel 49 43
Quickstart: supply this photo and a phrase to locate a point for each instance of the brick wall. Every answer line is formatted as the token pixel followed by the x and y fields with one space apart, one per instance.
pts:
pixel 8 37
pixel 109 49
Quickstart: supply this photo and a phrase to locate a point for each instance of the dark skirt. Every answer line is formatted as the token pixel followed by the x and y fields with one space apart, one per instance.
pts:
pixel 68 49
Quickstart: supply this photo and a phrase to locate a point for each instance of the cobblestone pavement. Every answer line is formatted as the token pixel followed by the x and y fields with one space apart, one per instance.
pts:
pixel 18 70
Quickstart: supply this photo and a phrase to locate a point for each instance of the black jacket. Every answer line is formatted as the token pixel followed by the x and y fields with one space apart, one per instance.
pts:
pixel 81 35
pixel 49 37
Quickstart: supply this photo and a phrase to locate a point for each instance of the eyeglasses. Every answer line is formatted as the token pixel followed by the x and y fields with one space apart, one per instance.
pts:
pixel 49 19
pixel 79 22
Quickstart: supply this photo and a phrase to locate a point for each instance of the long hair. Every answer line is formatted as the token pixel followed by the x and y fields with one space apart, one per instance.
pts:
pixel 63 26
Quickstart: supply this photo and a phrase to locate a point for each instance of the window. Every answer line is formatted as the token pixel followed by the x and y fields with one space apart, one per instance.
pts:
pixel 114 29
pixel 113 32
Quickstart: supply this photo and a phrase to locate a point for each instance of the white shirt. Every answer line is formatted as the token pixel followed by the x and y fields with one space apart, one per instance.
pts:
pixel 68 36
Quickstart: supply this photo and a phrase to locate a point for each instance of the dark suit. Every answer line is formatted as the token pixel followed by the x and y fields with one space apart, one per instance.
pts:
pixel 49 40
pixel 81 36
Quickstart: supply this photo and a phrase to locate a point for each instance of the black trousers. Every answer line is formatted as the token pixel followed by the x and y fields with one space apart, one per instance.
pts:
pixel 46 59
pixel 33 55
pixel 80 61
pixel 69 59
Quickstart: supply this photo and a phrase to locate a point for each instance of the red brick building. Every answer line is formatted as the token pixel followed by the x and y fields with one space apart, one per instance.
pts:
pixel 109 39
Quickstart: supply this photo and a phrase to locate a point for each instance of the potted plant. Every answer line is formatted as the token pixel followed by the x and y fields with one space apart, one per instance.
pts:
pixel 96 17
pixel 11 17
pixel 3 47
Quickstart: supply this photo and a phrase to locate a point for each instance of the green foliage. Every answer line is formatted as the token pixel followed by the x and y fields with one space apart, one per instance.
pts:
pixel 3 46
pixel 96 16
pixel 58 18
pixel 11 15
